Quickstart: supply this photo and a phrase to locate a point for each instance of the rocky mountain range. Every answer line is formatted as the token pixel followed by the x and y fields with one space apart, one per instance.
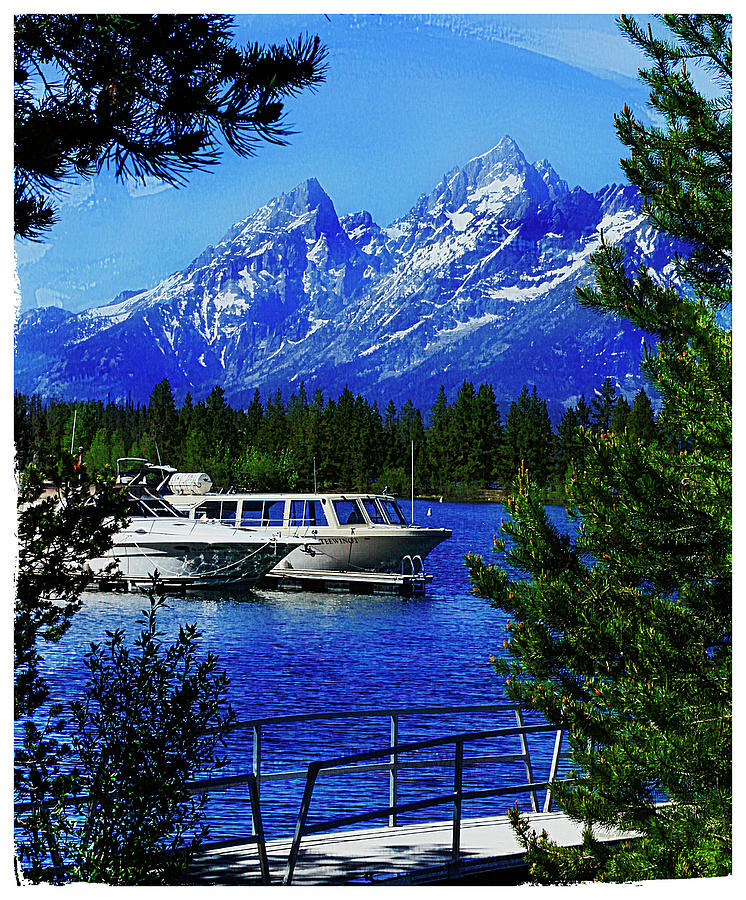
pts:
pixel 477 281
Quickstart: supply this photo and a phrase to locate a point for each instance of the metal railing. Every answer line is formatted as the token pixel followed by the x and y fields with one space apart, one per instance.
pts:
pixel 394 715
pixel 346 764
pixel 391 761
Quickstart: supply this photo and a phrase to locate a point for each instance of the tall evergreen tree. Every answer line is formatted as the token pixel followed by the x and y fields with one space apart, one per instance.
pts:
pixel 439 442
pixel 273 433
pixel 622 634
pixel 162 421
pixel 411 428
pixel 98 455
pixel 641 422
pixel 528 441
pixel 196 448
pixel 314 439
pixel 117 448
pixel 369 432
pixel 254 414
pixel 464 425
pixel 602 406
pixel 390 437
pixel 301 443
pixel 512 452
pixel 570 437
pixel 22 430
pixel 620 416
pixel 488 434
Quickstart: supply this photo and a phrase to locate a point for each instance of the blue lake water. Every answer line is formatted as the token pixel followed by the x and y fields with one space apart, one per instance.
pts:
pixel 289 653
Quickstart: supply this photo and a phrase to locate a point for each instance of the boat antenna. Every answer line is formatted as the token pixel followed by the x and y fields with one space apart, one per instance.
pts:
pixel 412 482
pixel 158 453
pixel 314 475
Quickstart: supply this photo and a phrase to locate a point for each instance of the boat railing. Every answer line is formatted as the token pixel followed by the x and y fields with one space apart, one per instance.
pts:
pixel 393 758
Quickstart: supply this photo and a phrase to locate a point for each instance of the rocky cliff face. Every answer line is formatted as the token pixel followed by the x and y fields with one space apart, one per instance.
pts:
pixel 477 281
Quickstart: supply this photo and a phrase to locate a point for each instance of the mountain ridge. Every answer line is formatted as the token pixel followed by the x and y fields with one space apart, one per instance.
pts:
pixel 477 280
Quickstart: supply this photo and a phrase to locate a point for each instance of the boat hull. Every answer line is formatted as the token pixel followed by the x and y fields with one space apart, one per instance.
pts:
pixel 190 554
pixel 371 549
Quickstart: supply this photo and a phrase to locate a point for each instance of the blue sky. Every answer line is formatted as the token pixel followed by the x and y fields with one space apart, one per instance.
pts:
pixel 406 98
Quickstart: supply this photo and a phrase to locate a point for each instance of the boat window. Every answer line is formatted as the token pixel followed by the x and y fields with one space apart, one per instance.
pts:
pixel 309 513
pixel 210 509
pixel 274 513
pixel 348 512
pixel 251 513
pixel 375 514
pixel 393 513
pixel 228 511
pixel 297 509
pixel 315 513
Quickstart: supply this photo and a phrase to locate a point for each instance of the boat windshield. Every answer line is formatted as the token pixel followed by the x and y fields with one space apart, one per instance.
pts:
pixel 375 513
pixel 393 512
pixel 348 512
pixel 153 507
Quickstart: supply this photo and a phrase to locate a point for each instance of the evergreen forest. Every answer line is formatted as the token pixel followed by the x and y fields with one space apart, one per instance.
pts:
pixel 346 443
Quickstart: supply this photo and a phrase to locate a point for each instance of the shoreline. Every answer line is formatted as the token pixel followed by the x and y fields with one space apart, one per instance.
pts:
pixel 487 495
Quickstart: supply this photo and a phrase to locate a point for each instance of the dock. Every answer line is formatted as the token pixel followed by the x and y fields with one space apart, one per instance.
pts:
pixel 405 855
pixel 346 582
pixel 351 844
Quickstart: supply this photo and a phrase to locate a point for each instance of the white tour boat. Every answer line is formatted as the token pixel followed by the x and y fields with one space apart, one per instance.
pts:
pixel 348 538
pixel 185 552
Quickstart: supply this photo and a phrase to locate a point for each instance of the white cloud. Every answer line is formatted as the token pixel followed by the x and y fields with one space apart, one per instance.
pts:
pixel 596 46
pixel 50 297
pixel 137 188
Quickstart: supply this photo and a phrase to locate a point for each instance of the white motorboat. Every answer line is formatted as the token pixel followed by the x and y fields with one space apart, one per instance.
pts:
pixel 183 551
pixel 352 533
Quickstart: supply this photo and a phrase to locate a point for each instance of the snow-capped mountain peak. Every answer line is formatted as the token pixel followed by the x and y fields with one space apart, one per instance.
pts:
pixel 476 281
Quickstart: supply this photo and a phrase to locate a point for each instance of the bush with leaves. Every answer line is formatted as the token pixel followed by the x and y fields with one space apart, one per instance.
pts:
pixel 151 718
pixel 112 805
pixel 101 795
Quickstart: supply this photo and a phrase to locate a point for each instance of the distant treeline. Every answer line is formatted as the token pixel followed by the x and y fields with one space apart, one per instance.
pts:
pixel 346 443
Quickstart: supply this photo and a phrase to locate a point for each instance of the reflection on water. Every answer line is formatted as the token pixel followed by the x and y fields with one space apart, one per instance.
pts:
pixel 302 652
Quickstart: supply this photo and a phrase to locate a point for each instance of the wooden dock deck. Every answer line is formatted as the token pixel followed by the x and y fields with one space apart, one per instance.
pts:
pixel 408 854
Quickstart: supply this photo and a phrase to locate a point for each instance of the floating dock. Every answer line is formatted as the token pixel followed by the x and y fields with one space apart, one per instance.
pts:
pixel 348 582
pixel 295 580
